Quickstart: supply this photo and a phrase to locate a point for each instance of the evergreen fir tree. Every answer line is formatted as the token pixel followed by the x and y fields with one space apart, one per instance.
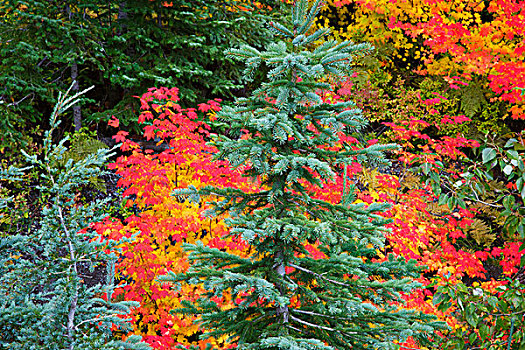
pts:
pixel 289 300
pixel 45 300
pixel 122 47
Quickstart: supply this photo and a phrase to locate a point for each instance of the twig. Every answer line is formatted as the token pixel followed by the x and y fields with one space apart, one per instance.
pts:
pixel 480 201
pixel 316 314
pixel 319 276
pixel 511 314
pixel 95 319
pixel 295 329
pixel 318 326
pixel 74 301
pixel 17 102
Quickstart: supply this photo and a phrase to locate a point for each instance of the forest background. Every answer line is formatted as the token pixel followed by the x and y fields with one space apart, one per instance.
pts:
pixel 445 82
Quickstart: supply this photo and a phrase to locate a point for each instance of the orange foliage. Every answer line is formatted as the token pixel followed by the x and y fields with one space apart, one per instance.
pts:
pixel 455 39
pixel 417 231
pixel 159 223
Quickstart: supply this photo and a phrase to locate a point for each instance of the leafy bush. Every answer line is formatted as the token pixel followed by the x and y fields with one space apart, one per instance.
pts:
pixel 173 154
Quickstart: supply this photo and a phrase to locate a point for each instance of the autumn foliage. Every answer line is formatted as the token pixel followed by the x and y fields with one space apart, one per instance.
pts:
pixel 442 235
pixel 159 223
pixel 445 83
pixel 466 42
pixel 459 43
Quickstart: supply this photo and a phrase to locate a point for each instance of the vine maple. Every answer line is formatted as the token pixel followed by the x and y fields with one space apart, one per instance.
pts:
pixel 437 234
pixel 460 41
pixel 160 223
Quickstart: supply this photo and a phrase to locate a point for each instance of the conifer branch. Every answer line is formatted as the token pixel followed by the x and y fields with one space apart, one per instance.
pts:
pixel 317 314
pixel 72 256
pixel 74 301
pixel 48 263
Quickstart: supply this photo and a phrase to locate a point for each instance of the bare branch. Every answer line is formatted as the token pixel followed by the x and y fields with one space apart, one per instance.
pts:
pixel 318 326
pixel 22 99
pixel 318 275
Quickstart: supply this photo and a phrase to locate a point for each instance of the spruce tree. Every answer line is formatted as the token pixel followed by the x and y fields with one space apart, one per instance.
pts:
pixel 288 299
pixel 47 300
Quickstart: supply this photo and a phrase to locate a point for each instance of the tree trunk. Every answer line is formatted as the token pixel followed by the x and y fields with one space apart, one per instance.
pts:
pixel 122 15
pixel 281 271
pixel 77 113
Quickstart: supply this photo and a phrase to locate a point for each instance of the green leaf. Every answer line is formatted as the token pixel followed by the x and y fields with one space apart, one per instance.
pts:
pixel 478 188
pixel 434 176
pixel 471 316
pixel 503 306
pixel 438 298
pixel 443 199
pixel 461 287
pixel 488 155
pixel 451 202
pixel 510 143
pixel 508 202
pixel 520 229
pixel 436 189
pixel 513 154
pixel 484 332
pixel 492 301
pixel 425 168
pixel 486 175
pixel 472 338
pixel 508 169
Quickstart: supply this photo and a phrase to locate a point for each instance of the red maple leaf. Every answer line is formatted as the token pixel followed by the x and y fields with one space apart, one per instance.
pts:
pixel 121 136
pixel 204 107
pixel 114 122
